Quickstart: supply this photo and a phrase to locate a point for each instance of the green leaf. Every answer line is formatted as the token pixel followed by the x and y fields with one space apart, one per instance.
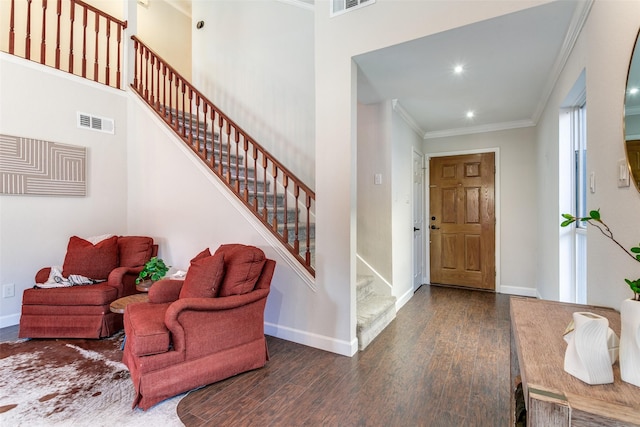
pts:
pixel 595 214
pixel 567 216
pixel 635 250
pixel 567 222
pixel 634 285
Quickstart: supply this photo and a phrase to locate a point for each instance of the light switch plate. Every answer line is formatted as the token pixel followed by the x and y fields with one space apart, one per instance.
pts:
pixel 623 173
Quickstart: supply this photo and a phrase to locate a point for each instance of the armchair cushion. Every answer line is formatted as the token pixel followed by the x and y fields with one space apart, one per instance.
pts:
pixel 204 277
pixel 93 261
pixel 146 330
pixel 134 250
pixel 90 295
pixel 243 265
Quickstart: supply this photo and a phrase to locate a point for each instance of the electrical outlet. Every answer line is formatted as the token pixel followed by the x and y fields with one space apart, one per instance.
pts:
pixel 8 290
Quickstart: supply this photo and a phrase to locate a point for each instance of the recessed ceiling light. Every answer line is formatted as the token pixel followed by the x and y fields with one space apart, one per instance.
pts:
pixel 633 90
pixel 458 69
pixel 470 114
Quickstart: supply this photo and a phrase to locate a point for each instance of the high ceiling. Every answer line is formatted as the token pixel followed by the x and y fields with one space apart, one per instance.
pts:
pixel 509 66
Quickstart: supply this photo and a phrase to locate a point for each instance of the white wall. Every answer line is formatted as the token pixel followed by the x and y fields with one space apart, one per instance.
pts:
pixel 168 33
pixel 255 61
pixel 385 211
pixel 603 49
pixel 39 102
pixel 404 141
pixel 516 211
pixel 375 235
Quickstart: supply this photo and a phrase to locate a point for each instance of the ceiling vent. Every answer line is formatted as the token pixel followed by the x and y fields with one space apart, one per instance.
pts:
pixel 339 7
pixel 100 124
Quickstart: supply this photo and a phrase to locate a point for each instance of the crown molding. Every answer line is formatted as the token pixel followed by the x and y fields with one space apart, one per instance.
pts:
pixel 575 27
pixel 493 127
pixel 300 3
pixel 407 117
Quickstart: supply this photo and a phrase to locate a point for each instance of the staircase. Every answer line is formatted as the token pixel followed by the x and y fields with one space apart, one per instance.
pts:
pixel 374 311
pixel 229 162
pixel 280 200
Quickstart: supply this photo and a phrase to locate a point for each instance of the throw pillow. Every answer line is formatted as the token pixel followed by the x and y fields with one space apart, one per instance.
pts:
pixel 205 253
pixel 134 251
pixel 93 261
pixel 94 240
pixel 243 265
pixel 204 277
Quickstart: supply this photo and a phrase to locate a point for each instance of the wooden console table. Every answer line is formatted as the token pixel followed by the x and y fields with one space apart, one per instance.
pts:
pixel 552 396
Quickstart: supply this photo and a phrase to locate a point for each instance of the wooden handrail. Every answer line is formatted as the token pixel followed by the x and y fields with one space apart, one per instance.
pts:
pixel 96 28
pixel 262 182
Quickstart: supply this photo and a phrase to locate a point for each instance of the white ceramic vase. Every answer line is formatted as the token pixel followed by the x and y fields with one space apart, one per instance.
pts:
pixel 587 356
pixel 630 342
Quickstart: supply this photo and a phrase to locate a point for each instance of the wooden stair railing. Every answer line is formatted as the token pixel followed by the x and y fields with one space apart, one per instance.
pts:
pixel 283 203
pixel 75 25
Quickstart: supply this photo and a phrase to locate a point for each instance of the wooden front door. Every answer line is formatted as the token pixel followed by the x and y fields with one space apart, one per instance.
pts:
pixel 462 220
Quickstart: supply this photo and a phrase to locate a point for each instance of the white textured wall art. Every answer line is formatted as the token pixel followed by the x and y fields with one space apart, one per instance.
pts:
pixel 35 167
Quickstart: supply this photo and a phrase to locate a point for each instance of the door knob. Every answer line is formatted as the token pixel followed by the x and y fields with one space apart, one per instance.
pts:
pixel 433 227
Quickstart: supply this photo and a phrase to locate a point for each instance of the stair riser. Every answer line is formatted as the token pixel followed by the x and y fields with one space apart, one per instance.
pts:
pixel 367 334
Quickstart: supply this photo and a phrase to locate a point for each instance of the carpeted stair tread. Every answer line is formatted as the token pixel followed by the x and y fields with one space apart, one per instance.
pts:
pixel 364 287
pixel 374 314
pixel 371 307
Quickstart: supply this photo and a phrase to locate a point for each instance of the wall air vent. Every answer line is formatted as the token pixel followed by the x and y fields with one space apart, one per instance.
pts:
pixel 338 7
pixel 100 124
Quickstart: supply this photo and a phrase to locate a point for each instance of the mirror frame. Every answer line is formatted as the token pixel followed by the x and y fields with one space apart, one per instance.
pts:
pixel 634 173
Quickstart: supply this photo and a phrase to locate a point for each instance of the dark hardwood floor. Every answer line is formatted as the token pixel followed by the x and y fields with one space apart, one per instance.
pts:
pixel 444 361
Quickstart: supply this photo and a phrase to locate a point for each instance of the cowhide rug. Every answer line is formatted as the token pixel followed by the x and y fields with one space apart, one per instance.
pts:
pixel 75 382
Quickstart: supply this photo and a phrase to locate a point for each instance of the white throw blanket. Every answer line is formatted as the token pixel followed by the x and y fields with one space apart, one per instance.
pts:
pixel 57 280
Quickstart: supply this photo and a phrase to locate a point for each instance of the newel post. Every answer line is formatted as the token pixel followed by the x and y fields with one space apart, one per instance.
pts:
pixel 131 17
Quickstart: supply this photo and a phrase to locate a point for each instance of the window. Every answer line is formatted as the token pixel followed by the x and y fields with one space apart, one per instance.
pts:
pixel 573 184
pixel 579 142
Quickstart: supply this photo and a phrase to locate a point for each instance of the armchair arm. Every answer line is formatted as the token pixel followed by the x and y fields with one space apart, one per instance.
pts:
pixel 214 324
pixel 165 290
pixel 117 275
pixel 212 304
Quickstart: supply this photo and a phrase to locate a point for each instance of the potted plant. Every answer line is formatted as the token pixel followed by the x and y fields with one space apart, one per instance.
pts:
pixel 630 308
pixel 153 270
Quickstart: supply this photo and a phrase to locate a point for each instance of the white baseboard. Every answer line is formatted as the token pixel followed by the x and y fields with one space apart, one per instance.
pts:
pixel 10 320
pixel 403 299
pixel 516 290
pixel 312 340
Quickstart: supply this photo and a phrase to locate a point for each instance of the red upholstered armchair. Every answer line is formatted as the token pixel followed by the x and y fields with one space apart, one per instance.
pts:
pixel 201 330
pixel 82 311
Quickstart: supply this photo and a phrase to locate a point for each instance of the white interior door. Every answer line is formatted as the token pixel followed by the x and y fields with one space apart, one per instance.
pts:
pixel 418 219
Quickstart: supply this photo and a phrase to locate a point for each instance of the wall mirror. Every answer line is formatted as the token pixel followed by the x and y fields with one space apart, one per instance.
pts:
pixel 632 115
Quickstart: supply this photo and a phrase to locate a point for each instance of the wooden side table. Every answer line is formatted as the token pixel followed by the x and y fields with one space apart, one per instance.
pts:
pixel 119 305
pixel 552 396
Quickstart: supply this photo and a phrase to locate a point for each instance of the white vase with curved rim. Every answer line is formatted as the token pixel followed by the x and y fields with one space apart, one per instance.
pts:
pixel 630 341
pixel 587 356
